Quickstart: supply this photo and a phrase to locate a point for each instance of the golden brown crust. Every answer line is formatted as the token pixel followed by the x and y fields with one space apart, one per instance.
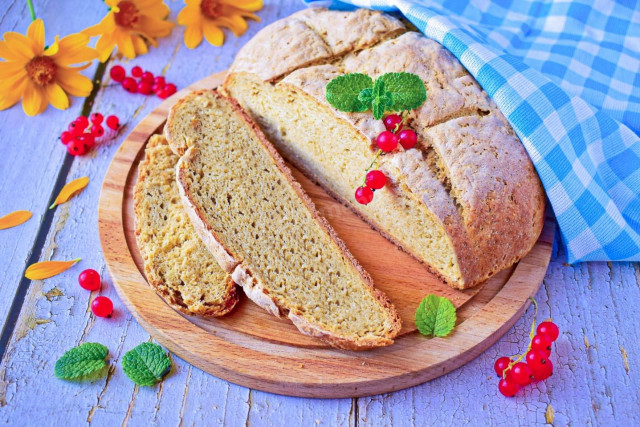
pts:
pixel 253 288
pixel 156 154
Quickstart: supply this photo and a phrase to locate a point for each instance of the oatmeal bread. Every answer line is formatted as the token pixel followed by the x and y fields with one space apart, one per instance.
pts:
pixel 265 231
pixel 176 262
pixel 467 202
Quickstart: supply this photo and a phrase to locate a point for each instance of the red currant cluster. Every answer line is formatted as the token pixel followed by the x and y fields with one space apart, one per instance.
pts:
pixel 90 280
pixel 83 133
pixel 146 82
pixel 387 142
pixel 515 374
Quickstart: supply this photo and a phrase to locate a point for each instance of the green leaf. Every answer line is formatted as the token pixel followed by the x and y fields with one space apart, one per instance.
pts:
pixel 382 100
pixel 343 92
pixel 82 361
pixel 407 90
pixel 435 316
pixel 146 364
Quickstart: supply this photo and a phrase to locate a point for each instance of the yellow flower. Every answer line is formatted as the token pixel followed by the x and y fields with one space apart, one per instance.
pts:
pixel 131 24
pixel 207 16
pixel 39 75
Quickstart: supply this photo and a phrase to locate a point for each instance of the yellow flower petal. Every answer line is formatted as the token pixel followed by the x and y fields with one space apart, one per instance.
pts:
pixel 235 23
pixel 125 45
pixel 44 270
pixel 248 5
pixel 9 54
pixel 153 8
pixel 105 46
pixel 74 83
pixel 73 49
pixel 189 15
pixel 14 219
pixel 34 100
pixel 192 36
pixel 71 189
pixel 155 27
pixel 212 33
pixel 56 96
pixel 53 49
pixel 107 25
pixel 35 33
pixel 20 45
pixel 9 69
pixel 139 45
pixel 10 96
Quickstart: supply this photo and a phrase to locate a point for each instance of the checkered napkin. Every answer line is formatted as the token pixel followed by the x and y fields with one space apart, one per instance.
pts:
pixel 567 76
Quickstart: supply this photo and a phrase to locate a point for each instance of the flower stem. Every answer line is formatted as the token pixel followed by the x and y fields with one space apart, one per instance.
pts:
pixel 31 10
pixel 515 359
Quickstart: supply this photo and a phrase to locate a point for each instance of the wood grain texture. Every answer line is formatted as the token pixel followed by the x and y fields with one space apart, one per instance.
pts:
pixel 596 305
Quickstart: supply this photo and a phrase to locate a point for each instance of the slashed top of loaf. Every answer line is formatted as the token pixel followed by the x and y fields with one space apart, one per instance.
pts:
pixel 312 36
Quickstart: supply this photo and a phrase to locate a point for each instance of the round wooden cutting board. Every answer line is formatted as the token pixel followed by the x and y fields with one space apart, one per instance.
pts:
pixel 254 349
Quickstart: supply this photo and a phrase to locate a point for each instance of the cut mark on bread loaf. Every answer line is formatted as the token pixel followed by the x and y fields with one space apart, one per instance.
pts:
pixel 286 257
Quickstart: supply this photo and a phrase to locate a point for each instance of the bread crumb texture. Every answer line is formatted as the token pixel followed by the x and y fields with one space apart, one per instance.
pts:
pixel 176 263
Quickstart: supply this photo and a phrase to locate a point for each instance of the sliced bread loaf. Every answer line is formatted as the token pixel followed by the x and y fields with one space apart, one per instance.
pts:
pixel 467 202
pixel 176 263
pixel 263 228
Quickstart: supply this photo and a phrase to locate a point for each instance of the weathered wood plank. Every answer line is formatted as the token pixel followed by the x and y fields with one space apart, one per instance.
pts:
pixel 596 306
pixel 30 152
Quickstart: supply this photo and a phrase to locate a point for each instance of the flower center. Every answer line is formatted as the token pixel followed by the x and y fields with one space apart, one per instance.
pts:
pixel 128 15
pixel 41 70
pixel 211 9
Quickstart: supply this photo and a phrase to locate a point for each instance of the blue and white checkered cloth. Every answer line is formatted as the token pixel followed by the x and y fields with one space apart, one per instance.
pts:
pixel 567 76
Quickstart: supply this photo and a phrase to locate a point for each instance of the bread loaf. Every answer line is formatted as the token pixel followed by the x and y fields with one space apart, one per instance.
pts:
pixel 467 201
pixel 266 232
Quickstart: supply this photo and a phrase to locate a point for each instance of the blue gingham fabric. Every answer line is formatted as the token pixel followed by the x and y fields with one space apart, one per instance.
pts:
pixel 567 76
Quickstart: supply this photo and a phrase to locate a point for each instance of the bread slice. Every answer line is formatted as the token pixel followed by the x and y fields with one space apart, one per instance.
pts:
pixel 466 201
pixel 263 228
pixel 176 263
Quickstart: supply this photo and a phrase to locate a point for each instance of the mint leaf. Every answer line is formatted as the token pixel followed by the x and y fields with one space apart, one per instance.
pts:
pixel 146 364
pixel 343 92
pixel 407 90
pixel 82 361
pixel 382 100
pixel 435 316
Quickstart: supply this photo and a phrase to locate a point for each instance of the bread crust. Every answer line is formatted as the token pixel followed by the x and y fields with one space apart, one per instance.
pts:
pixel 231 297
pixel 255 290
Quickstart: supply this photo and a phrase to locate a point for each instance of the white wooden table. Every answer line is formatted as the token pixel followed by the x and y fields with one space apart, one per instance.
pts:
pixel 596 305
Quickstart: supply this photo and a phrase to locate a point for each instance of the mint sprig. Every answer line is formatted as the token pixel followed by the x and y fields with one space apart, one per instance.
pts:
pixel 83 362
pixel 146 364
pixel 435 316
pixel 356 92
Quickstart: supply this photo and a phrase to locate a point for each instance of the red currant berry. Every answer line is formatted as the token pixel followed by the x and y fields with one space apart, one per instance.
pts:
pixel 130 85
pixel 535 358
pixel 75 129
pixel 66 137
pixel 159 80
pixel 163 94
pixel 97 131
pixel 407 138
pixel 364 195
pixel 387 141
pixel 542 342
pixel 102 306
pixel 157 89
pixel 88 140
pixel 376 179
pixel 543 371
pixel 144 87
pixel 501 364
pixel 521 373
pixel 391 121
pixel 82 122
pixel 113 122
pixel 136 71
pixel 170 88
pixel 549 329
pixel 76 147
pixel 117 73
pixel 89 280
pixel 508 387
pixel 96 118
pixel 148 77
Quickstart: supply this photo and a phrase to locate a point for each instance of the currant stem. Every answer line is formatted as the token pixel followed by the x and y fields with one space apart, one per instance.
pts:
pixel 31 10
pixel 519 357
